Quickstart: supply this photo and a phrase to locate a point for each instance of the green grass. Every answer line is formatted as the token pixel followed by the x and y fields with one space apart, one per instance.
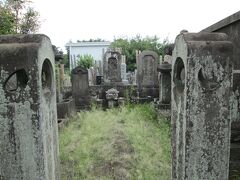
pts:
pixel 124 143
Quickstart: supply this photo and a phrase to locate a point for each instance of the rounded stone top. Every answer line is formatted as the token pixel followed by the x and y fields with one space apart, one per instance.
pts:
pixel 79 70
pixel 23 38
pixel 165 67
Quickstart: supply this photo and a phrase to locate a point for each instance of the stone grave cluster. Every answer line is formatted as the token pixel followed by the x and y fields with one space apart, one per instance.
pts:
pixel 198 84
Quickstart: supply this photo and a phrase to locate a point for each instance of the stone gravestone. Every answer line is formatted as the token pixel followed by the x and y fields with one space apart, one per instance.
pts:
pixel 201 88
pixel 147 69
pixel 147 74
pixel 112 66
pixel 80 87
pixel 28 115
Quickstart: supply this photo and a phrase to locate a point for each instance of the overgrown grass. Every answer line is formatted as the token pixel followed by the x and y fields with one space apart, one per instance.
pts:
pixel 124 143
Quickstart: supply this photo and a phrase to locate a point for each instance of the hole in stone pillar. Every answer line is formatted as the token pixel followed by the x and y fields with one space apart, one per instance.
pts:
pixel 179 75
pixel 46 76
pixel 16 80
pixel 207 83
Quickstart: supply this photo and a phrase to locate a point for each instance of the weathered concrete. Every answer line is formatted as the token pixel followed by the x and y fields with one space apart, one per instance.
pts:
pixel 28 114
pixel 201 89
pixel 80 87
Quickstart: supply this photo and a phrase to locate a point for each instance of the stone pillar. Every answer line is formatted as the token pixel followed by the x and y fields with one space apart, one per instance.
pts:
pixel 124 70
pixel 165 83
pixel 201 88
pixel 61 76
pixel 28 114
pixel 58 82
pixel 80 87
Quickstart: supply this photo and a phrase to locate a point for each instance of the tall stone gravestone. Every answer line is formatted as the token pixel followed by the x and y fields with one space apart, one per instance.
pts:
pixel 112 66
pixel 147 69
pixel 201 88
pixel 147 74
pixel 80 87
pixel 28 115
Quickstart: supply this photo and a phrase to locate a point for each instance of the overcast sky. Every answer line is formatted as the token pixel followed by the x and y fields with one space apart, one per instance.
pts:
pixel 75 20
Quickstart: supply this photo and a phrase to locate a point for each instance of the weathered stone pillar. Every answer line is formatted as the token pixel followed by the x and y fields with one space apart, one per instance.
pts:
pixel 80 87
pixel 61 76
pixel 28 115
pixel 165 83
pixel 201 85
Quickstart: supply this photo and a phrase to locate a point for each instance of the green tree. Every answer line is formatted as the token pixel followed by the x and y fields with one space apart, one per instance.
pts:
pixel 7 21
pixel 18 17
pixel 29 22
pixel 85 61
pixel 129 47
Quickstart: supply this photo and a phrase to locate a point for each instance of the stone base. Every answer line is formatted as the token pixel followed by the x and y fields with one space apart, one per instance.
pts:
pixel 152 92
pixel 234 169
pixel 65 108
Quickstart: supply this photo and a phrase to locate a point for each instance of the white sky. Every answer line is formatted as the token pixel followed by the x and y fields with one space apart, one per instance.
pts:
pixel 84 19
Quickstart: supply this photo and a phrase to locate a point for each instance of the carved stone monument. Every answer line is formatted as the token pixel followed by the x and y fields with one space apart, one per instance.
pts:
pixel 112 97
pixel 112 66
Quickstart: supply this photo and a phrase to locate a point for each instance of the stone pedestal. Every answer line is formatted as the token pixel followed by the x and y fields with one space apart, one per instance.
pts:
pixel 165 83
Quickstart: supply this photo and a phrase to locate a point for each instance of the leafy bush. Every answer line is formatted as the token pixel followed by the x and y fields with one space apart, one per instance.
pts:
pixel 85 61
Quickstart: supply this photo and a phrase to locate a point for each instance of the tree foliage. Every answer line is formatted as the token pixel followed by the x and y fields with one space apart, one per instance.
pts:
pixel 7 21
pixel 17 16
pixel 85 61
pixel 129 47
pixel 92 40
